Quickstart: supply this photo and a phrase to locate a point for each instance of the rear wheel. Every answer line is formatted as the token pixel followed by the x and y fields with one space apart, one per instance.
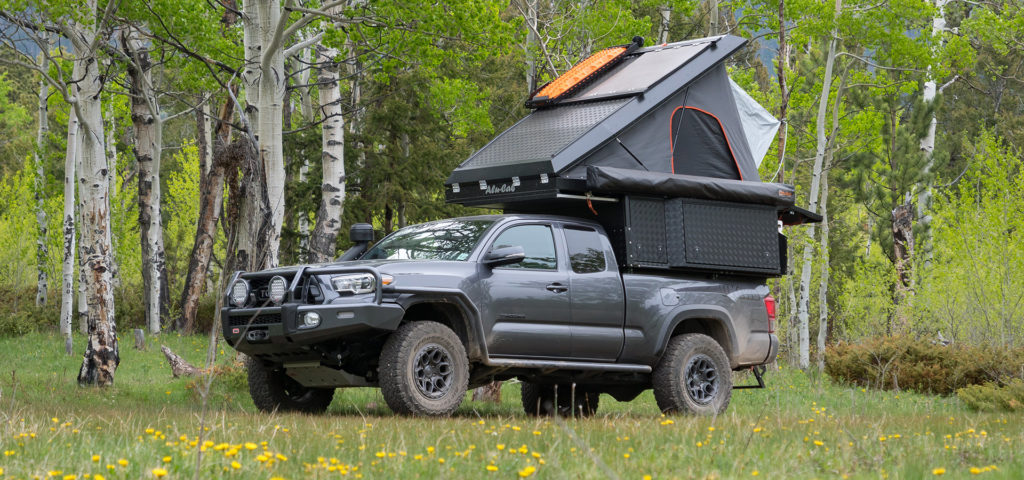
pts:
pixel 423 370
pixel 693 376
pixel 272 389
pixel 548 399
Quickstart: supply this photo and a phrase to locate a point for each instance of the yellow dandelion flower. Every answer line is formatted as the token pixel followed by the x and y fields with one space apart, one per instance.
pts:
pixel 975 471
pixel 262 458
pixel 159 472
pixel 492 468
pixel 819 443
pixel 250 446
pixel 939 471
pixel 758 429
pixel 380 454
pixel 235 465
pixel 69 477
pixel 755 473
pixel 430 449
pixel 149 431
pixel 95 459
pixel 667 421
pixel 417 457
pixel 625 455
pixel 440 460
pixel 711 429
pixel 167 459
pixel 98 477
pixel 281 457
pixel 526 472
pixel 500 446
pixel 647 477
pixel 122 462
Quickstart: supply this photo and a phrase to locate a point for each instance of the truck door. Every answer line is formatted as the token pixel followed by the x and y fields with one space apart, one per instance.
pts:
pixel 528 308
pixel 595 295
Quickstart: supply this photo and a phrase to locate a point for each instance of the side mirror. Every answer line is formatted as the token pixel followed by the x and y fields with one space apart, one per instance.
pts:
pixel 504 256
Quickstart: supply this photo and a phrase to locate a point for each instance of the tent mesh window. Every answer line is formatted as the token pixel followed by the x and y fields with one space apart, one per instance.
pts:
pixel 699 145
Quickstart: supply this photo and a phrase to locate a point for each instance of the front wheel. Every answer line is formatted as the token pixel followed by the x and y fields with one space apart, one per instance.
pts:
pixel 693 376
pixel 423 370
pixel 272 390
pixel 564 399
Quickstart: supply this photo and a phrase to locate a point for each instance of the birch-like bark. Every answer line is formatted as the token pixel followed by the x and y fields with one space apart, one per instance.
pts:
pixel 110 144
pixel 712 18
pixel 306 110
pixel 148 127
pixel 924 198
pixel 42 252
pixel 70 268
pixel 328 218
pixel 803 314
pixel 259 234
pixel 531 45
pixel 101 355
pixel 211 199
pixel 665 12
pixel 781 67
pixel 823 285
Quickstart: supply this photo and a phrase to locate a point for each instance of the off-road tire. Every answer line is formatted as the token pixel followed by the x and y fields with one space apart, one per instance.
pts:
pixel 710 378
pixel 272 389
pixel 423 370
pixel 539 400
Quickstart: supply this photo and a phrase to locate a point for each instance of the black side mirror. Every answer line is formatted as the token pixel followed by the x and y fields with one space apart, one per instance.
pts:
pixel 504 256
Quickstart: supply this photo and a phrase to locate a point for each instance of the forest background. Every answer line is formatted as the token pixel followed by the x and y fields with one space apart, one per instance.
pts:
pixel 148 148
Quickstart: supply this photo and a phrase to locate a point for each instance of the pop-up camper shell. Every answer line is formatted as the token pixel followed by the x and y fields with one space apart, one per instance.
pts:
pixel 651 143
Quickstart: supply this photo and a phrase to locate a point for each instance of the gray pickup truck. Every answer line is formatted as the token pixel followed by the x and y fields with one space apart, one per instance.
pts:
pixel 437 308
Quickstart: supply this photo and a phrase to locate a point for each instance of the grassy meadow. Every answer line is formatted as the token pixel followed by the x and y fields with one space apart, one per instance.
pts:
pixel 150 425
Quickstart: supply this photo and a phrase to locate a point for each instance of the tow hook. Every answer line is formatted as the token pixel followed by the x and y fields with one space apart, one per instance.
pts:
pixel 256 335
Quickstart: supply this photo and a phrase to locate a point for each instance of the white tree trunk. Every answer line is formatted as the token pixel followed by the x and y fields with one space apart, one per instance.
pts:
pixel 531 45
pixel 328 218
pixel 69 269
pixel 42 252
pixel 101 356
pixel 306 109
pixel 148 127
pixel 262 214
pixel 803 315
pixel 712 18
pixel 111 148
pixel 666 17
pixel 924 198
pixel 823 285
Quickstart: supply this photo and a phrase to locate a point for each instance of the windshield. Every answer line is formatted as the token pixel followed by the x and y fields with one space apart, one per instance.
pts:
pixel 443 240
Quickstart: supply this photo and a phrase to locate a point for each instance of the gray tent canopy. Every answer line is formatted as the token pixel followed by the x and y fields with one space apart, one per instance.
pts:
pixel 667 109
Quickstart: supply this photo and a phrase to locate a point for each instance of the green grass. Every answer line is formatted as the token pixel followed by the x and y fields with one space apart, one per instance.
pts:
pixel 800 427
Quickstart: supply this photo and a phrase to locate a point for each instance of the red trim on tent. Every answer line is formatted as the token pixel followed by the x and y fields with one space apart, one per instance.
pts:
pixel 727 142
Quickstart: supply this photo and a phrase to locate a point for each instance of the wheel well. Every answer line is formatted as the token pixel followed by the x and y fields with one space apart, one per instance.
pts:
pixel 448 315
pixel 710 327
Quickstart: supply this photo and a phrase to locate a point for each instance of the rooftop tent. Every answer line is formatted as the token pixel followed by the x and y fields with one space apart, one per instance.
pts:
pixel 667 108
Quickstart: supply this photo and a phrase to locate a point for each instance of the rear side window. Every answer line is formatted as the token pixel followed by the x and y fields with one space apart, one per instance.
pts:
pixel 537 242
pixel 586 252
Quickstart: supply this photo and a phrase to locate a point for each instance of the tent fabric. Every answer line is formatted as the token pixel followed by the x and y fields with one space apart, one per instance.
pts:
pixel 699 146
pixel 611 180
pixel 758 124
pixel 711 93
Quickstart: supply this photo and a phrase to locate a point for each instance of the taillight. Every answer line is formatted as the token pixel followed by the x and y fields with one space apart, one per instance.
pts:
pixel 769 305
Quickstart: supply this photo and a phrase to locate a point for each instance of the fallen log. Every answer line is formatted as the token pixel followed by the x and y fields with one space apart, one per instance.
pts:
pixel 179 366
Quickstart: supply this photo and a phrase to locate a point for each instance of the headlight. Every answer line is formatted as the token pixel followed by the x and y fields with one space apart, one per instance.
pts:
pixel 358 283
pixel 277 289
pixel 239 293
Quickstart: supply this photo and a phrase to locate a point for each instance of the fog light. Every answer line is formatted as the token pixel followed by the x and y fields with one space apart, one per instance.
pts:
pixel 311 320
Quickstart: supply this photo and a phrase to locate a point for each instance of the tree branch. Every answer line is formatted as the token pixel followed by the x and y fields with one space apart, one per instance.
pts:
pixel 298 47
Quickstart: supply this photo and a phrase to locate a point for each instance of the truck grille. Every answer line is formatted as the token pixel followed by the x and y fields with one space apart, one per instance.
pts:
pixel 260 319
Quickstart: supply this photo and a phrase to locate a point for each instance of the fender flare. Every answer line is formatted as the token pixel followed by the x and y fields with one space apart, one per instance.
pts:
pixel 412 296
pixel 713 313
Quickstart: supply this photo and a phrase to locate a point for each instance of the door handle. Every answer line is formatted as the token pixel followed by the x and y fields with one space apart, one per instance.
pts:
pixel 557 287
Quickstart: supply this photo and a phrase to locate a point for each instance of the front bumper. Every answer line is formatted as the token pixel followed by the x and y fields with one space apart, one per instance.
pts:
pixel 276 329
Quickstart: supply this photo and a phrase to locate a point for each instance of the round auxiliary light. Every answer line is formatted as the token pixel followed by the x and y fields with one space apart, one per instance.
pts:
pixel 239 293
pixel 311 320
pixel 277 288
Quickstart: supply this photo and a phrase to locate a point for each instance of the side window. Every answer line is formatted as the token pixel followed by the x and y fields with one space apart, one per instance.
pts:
pixel 586 252
pixel 537 242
